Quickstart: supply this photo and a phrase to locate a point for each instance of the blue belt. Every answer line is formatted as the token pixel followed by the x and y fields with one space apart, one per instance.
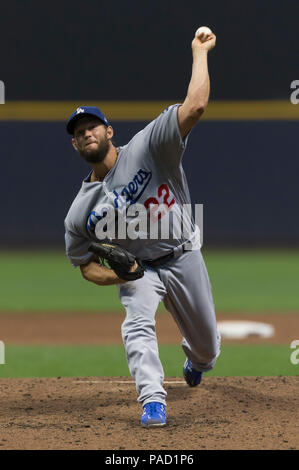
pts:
pixel 155 263
pixel 175 253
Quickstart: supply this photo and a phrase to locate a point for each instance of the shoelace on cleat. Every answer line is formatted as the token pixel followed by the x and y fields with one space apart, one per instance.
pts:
pixel 159 409
pixel 154 408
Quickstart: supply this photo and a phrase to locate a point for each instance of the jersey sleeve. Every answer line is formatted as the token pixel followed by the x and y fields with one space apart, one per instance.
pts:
pixel 165 143
pixel 76 247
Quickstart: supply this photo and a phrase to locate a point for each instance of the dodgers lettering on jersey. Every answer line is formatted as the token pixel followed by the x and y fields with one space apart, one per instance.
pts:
pixel 133 190
pixel 147 173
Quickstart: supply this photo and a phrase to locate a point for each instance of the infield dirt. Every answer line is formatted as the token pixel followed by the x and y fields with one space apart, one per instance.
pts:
pixel 102 412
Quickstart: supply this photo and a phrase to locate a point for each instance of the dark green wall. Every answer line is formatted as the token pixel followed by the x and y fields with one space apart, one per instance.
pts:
pixel 245 174
pixel 96 50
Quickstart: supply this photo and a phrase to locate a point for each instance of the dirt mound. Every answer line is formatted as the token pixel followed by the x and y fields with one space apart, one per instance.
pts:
pixel 102 413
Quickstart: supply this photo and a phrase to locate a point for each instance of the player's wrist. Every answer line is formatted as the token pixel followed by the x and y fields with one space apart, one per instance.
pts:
pixel 199 51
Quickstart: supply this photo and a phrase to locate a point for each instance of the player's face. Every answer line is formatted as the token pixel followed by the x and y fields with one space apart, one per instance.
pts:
pixel 92 139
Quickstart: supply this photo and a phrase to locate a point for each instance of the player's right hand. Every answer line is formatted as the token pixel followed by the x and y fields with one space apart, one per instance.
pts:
pixel 125 265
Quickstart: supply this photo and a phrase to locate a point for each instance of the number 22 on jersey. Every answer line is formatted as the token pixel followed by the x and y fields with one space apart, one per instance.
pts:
pixel 153 203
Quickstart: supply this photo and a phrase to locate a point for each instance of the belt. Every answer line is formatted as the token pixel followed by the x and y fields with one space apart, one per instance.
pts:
pixel 175 253
pixel 155 263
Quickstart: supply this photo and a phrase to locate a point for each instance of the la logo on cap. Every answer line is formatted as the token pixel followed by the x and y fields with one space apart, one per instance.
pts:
pixel 79 110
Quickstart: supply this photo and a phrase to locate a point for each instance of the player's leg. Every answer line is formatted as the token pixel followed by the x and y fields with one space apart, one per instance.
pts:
pixel 189 299
pixel 140 299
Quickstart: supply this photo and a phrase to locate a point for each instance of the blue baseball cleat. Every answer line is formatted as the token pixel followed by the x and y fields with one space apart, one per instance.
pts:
pixel 192 376
pixel 154 414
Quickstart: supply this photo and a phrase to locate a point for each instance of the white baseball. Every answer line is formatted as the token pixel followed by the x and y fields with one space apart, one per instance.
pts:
pixel 205 30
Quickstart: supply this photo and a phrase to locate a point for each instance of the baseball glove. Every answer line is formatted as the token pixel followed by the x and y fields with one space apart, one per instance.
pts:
pixel 119 259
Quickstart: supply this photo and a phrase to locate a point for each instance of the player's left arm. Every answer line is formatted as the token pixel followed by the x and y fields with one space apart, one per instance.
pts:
pixel 198 93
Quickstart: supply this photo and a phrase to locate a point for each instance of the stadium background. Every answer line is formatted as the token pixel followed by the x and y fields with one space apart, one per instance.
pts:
pixel 134 59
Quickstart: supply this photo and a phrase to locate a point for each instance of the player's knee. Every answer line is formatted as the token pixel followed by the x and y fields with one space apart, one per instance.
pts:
pixel 136 329
pixel 208 360
pixel 206 355
pixel 212 348
pixel 211 355
pixel 212 351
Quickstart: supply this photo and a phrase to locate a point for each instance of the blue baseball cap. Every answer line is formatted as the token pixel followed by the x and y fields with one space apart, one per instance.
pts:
pixel 84 111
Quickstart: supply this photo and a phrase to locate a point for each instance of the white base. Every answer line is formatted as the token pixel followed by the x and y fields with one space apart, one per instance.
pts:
pixel 243 329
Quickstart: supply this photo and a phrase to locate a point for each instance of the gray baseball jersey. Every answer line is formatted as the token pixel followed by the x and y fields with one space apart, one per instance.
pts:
pixel 148 172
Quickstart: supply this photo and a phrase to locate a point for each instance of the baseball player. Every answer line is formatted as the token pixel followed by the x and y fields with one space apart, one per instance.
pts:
pixel 147 172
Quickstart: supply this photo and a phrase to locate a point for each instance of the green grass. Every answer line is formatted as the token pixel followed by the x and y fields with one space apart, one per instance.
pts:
pixel 242 281
pixel 86 361
pixel 254 280
pixel 46 281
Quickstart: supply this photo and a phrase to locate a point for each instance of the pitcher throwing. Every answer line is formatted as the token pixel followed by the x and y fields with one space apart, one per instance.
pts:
pixel 146 172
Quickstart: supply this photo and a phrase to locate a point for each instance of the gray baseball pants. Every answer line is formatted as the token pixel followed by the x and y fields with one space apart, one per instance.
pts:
pixel 183 284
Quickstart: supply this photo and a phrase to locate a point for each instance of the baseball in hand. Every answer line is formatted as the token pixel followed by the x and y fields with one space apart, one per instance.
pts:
pixel 205 31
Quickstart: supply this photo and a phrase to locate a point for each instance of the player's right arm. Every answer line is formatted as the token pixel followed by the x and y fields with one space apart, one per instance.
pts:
pixel 77 252
pixel 98 274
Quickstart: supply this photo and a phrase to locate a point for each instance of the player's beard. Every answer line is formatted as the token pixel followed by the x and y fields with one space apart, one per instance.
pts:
pixel 96 155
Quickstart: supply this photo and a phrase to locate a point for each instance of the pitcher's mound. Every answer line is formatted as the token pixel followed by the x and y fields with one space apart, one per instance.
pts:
pixel 102 413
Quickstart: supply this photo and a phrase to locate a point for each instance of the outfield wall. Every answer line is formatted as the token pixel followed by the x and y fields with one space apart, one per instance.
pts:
pixel 142 50
pixel 245 173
